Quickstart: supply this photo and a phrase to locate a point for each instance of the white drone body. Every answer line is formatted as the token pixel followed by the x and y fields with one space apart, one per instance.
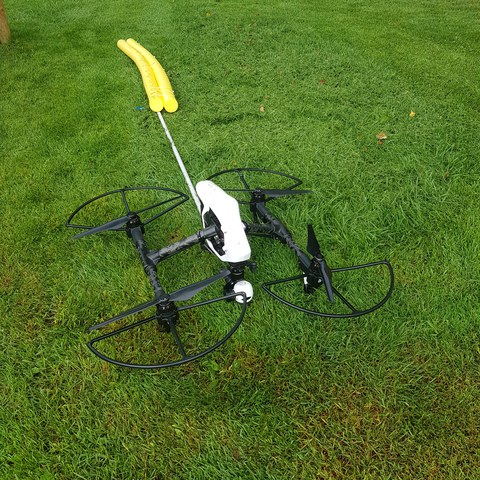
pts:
pixel 223 209
pixel 227 212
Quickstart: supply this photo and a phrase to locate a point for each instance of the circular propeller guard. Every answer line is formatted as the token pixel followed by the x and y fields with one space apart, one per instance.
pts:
pixel 354 312
pixel 119 202
pixel 183 355
pixel 270 183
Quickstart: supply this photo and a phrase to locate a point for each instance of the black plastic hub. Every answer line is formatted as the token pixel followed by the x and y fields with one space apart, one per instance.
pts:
pixel 167 316
pixel 134 222
pixel 314 276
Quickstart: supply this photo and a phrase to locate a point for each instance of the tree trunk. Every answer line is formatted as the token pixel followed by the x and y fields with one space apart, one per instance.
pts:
pixel 4 28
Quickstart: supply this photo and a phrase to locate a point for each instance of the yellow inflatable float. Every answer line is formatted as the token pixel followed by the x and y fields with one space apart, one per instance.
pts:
pixel 157 85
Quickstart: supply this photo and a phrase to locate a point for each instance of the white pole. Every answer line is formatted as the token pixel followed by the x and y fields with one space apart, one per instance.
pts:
pixel 181 165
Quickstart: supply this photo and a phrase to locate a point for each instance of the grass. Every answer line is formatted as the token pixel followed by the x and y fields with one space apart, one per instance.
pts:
pixel 302 87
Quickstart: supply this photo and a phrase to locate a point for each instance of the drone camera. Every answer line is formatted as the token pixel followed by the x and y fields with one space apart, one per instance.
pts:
pixel 245 287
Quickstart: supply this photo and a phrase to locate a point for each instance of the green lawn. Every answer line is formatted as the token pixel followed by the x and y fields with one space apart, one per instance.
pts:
pixel 302 87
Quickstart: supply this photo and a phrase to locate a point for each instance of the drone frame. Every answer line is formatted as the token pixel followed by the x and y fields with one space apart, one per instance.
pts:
pixel 316 274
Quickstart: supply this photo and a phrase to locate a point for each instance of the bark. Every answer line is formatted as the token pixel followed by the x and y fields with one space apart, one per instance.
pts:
pixel 4 28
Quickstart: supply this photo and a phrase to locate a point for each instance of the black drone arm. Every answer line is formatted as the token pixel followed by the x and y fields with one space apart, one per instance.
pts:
pixel 157 256
pixel 274 228
pixel 150 267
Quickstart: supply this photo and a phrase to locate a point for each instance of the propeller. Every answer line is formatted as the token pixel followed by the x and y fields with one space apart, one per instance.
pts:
pixel 112 225
pixel 186 293
pixel 183 294
pixel 132 311
pixel 259 193
pixel 272 193
pixel 313 248
pixel 276 192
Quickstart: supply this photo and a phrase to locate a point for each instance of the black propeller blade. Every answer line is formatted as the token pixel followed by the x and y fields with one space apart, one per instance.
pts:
pixel 112 225
pixel 326 275
pixel 275 193
pixel 132 311
pixel 313 248
pixel 185 293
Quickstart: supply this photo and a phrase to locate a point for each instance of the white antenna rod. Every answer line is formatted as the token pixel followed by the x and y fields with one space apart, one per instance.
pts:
pixel 181 165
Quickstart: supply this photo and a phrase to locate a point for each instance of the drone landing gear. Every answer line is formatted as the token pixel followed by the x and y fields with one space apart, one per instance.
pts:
pixel 316 274
pixel 187 332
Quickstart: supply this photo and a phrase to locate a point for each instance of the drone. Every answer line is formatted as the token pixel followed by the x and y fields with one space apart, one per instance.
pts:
pixel 174 317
